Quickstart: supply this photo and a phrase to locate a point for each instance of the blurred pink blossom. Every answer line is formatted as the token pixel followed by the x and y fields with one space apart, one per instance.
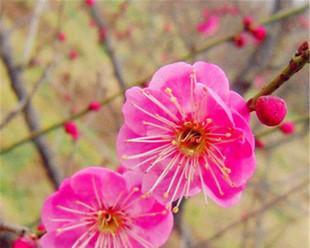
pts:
pixel 98 207
pixel 187 131
pixel 209 25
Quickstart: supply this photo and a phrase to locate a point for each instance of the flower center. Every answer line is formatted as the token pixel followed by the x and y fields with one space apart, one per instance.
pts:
pixel 109 222
pixel 191 139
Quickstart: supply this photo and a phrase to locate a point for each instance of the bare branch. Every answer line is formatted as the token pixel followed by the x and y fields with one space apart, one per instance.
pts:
pixel 23 103
pixel 107 44
pixel 254 213
pixel 31 118
pixel 19 230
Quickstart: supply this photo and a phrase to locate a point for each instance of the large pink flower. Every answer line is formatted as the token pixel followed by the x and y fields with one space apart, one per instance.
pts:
pixel 188 132
pixel 100 208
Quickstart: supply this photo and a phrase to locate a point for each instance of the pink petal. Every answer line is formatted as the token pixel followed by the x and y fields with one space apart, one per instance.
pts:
pixel 230 196
pixel 135 117
pixel 238 103
pixel 214 77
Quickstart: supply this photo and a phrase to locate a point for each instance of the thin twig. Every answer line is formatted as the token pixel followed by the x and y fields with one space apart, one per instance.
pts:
pixel 254 213
pixel 19 230
pixel 107 45
pixel 209 45
pixel 297 62
pixel 23 103
pixel 31 118
pixel 34 24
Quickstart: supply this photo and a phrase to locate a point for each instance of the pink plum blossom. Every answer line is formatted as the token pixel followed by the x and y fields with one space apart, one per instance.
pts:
pixel 187 131
pixel 98 207
pixel 209 25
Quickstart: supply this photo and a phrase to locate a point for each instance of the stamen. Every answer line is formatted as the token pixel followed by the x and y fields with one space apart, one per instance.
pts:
pixel 156 116
pixel 74 211
pixel 161 157
pixel 140 240
pixel 160 105
pixel 100 204
pixel 179 182
pixel 175 101
pixel 74 226
pixel 85 205
pixel 77 243
pixel 166 194
pixel 170 165
pixel 147 153
pixel 203 186
pixel 214 178
pixel 155 125
pixel 99 241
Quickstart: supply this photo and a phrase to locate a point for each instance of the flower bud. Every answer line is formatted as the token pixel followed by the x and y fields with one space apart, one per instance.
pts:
pixel 270 110
pixel 94 106
pixel 287 127
pixel 259 33
pixel 239 40
pixel 259 144
pixel 72 129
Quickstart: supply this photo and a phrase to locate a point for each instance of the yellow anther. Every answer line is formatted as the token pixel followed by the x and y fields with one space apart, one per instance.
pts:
pixel 175 210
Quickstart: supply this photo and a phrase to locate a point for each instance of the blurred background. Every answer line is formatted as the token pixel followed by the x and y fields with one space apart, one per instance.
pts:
pixel 57 57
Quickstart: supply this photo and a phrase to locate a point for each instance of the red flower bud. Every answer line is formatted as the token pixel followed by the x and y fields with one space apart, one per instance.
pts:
pixel 270 110
pixel 259 144
pixel 287 127
pixel 102 34
pixel 94 106
pixel 73 54
pixel 240 40
pixel 90 3
pixel 61 37
pixel 247 22
pixel 72 129
pixel 259 33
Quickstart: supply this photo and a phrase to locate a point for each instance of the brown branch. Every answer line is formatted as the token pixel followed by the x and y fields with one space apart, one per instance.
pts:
pixel 23 103
pixel 19 230
pixel 254 213
pixel 31 118
pixel 107 45
pixel 297 62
